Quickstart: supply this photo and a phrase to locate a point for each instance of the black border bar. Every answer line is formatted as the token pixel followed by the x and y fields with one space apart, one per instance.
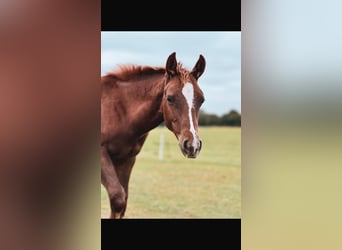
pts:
pixel 171 16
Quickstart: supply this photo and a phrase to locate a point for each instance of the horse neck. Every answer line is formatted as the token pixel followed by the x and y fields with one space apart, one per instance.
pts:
pixel 147 104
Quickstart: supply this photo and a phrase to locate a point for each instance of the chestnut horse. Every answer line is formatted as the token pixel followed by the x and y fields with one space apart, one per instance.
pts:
pixel 135 100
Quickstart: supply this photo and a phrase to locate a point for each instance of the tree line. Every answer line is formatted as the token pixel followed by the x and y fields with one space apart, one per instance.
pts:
pixel 232 118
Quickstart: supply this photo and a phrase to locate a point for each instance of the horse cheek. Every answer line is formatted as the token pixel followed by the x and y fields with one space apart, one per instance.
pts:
pixel 167 117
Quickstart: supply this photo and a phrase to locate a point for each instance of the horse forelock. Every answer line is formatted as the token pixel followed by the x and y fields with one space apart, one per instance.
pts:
pixel 183 73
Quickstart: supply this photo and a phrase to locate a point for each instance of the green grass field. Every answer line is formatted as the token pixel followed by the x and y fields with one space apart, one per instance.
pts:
pixel 177 187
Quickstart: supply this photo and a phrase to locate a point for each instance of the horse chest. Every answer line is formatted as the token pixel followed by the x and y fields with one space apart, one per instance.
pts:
pixel 122 148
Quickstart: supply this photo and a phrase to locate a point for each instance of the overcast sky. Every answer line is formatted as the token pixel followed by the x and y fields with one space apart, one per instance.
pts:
pixel 221 81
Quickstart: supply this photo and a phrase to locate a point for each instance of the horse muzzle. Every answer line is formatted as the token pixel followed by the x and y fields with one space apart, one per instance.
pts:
pixel 190 149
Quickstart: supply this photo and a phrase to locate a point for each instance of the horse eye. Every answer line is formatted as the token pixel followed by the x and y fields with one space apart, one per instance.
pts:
pixel 170 98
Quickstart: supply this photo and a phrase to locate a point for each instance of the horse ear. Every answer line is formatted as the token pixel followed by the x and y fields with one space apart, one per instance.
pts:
pixel 198 70
pixel 171 64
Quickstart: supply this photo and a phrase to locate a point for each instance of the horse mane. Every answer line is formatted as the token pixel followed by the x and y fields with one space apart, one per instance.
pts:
pixel 129 71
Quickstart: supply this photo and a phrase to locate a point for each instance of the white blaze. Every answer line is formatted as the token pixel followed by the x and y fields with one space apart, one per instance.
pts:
pixel 188 92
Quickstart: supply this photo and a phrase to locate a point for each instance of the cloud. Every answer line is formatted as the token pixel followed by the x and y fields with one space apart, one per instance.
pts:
pixel 111 58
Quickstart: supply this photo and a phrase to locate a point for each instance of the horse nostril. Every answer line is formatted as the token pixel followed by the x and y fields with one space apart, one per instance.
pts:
pixel 185 144
pixel 200 145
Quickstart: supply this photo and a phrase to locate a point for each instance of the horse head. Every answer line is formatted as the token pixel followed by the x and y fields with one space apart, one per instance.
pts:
pixel 181 103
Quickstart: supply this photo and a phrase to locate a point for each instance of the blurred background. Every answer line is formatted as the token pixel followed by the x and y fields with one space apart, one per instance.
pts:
pixel 291 124
pixel 49 125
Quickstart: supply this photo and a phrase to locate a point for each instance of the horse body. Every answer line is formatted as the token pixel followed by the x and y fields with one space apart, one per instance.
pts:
pixel 134 101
